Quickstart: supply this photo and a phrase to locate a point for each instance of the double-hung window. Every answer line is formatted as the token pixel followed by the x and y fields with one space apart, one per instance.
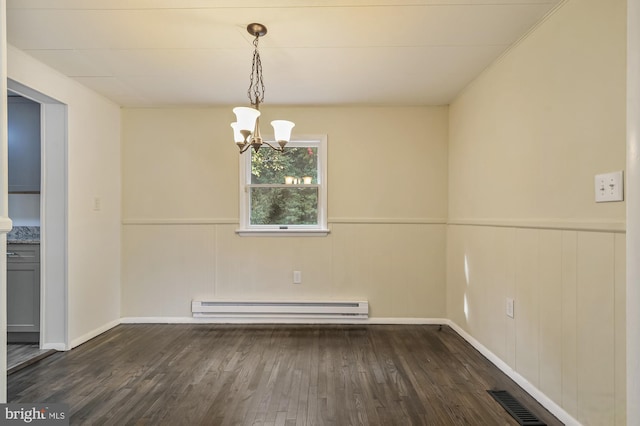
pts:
pixel 285 192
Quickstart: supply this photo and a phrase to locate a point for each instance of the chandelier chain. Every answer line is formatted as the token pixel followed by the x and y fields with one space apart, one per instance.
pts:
pixel 256 83
pixel 246 128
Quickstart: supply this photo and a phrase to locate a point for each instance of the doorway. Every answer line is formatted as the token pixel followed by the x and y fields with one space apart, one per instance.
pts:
pixel 23 241
pixel 53 307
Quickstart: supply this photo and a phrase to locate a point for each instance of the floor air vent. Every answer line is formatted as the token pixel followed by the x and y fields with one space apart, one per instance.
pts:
pixel 518 411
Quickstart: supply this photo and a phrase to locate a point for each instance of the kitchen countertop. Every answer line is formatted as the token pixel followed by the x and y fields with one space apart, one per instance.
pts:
pixel 24 235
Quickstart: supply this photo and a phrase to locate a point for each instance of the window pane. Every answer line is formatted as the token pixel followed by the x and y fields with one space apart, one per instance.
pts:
pixel 273 167
pixel 284 206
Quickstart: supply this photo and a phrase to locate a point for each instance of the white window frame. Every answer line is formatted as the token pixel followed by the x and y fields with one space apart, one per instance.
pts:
pixel 321 229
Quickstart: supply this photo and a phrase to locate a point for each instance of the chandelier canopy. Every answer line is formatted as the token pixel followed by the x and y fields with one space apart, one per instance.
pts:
pixel 246 128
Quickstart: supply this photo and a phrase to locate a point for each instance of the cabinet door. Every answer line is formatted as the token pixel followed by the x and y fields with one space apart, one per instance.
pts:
pixel 23 297
pixel 23 253
pixel 24 145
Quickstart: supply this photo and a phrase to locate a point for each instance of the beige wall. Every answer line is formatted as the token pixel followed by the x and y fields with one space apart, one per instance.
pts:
pixel 528 136
pixel 387 213
pixel 526 139
pixel 93 167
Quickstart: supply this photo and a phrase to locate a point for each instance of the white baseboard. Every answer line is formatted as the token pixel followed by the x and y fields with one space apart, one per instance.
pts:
pixel 538 395
pixel 159 320
pixel 55 346
pixel 275 320
pixel 93 333
pixel 409 321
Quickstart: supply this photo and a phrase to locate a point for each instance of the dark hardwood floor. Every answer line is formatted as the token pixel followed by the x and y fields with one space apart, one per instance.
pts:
pixel 273 375
pixel 21 355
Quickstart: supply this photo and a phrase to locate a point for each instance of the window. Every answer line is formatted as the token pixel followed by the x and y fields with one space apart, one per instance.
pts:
pixel 285 192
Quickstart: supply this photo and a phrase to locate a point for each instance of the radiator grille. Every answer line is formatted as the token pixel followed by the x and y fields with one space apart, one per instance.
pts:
pixel 521 414
pixel 278 309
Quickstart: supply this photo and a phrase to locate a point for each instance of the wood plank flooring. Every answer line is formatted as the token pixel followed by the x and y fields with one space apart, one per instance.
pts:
pixel 21 355
pixel 202 374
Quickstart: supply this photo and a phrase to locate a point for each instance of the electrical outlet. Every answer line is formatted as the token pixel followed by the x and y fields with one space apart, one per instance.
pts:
pixel 97 204
pixel 609 187
pixel 297 277
pixel 510 307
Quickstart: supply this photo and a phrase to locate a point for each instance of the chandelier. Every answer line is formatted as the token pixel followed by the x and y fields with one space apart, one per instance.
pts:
pixel 246 128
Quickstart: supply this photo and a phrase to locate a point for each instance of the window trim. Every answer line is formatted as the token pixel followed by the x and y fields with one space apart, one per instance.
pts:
pixel 321 229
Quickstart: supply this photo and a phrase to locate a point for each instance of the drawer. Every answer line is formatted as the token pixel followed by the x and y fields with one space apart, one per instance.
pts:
pixel 23 253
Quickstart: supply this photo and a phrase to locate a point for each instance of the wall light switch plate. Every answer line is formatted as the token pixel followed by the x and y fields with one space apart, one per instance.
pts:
pixel 510 307
pixel 609 187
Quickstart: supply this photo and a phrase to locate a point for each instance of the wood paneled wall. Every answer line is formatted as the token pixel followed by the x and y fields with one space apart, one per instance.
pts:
pixel 398 268
pixel 567 337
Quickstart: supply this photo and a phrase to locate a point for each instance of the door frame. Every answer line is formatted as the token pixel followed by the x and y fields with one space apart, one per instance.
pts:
pixel 53 218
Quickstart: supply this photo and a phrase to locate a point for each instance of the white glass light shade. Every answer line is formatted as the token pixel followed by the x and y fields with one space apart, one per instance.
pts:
pixel 237 136
pixel 246 118
pixel 282 129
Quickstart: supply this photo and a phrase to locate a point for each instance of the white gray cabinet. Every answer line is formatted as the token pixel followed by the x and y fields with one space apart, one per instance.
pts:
pixel 24 145
pixel 23 291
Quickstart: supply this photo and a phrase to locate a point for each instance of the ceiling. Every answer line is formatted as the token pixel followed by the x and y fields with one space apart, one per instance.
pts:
pixel 316 52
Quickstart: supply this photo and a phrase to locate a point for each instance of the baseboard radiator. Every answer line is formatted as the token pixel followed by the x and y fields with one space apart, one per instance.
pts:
pixel 347 310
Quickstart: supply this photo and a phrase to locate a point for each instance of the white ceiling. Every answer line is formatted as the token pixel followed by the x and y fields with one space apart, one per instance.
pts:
pixel 198 52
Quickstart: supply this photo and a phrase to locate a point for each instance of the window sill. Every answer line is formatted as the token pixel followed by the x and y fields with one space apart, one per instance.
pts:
pixel 282 232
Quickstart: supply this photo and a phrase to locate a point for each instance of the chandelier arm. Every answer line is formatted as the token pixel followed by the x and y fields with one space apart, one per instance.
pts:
pixel 275 148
